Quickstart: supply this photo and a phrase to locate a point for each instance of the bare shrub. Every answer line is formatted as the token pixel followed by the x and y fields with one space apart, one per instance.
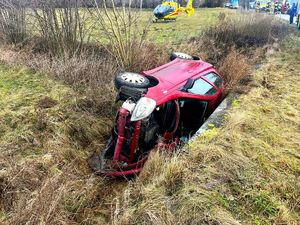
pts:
pixel 149 56
pixel 12 21
pixel 119 27
pixel 237 43
pixel 64 29
pixel 234 67
pixel 245 32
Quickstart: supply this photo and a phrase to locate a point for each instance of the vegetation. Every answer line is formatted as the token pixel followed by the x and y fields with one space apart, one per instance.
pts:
pixel 57 108
pixel 12 22
pixel 246 172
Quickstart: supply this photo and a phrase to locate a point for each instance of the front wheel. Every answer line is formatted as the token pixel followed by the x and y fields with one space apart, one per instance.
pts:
pixel 133 80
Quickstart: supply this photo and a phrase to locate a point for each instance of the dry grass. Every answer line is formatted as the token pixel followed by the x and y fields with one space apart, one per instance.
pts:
pixel 234 67
pixel 246 172
pixel 45 178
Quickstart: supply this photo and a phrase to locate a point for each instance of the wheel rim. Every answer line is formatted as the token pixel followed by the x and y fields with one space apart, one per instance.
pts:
pixel 133 78
pixel 183 55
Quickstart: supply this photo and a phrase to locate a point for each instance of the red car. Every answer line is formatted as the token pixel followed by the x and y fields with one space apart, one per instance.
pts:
pixel 162 107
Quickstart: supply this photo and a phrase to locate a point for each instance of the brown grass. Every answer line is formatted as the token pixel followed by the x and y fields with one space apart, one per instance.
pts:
pixel 234 68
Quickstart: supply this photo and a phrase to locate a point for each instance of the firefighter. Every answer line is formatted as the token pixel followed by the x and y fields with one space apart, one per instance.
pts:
pixel 287 7
pixel 257 7
pixel 277 8
pixel 268 8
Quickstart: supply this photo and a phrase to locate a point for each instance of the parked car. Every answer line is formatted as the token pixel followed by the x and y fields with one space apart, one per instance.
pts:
pixel 161 107
pixel 227 5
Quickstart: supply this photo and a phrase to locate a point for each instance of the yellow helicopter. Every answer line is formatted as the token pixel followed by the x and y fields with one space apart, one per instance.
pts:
pixel 169 10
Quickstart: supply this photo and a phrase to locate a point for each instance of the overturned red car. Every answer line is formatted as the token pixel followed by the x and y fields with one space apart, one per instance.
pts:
pixel 162 107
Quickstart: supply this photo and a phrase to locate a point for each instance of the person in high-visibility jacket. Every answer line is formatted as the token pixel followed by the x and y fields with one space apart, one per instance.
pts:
pixel 277 7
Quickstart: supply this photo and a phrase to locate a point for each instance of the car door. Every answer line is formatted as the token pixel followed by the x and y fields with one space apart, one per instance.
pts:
pixel 194 105
pixel 207 87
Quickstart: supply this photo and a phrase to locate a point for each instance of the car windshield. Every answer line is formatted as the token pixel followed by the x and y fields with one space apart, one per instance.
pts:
pixel 164 9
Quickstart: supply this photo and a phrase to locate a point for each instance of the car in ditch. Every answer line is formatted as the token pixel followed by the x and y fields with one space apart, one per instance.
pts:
pixel 162 108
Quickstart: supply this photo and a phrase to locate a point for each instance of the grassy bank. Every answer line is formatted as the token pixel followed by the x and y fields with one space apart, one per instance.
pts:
pixel 246 172
pixel 47 131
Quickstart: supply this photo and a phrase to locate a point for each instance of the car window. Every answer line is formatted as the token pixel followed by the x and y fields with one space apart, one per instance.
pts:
pixel 214 78
pixel 201 87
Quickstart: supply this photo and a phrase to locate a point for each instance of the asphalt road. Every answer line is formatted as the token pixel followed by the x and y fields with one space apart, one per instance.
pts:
pixel 285 17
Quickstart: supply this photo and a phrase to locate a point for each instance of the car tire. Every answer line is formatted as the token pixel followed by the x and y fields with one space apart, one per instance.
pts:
pixel 133 80
pixel 180 55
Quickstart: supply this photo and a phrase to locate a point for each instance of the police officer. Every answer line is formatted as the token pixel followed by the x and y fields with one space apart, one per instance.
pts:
pixel 292 13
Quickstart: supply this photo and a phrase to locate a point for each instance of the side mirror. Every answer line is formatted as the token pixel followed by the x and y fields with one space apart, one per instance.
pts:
pixel 188 85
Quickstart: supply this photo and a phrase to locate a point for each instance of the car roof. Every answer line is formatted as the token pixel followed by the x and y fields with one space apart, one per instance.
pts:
pixel 178 70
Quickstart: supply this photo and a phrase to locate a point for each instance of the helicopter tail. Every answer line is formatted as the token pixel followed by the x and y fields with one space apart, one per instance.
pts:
pixel 189 4
pixel 189 9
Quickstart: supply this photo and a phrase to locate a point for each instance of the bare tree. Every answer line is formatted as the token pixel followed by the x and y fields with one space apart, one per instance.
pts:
pixel 64 29
pixel 120 29
pixel 12 21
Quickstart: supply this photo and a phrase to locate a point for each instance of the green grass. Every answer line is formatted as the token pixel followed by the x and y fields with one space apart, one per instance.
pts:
pixel 183 28
pixel 19 113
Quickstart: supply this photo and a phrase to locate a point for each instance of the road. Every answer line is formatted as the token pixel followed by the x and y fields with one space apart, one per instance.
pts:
pixel 285 17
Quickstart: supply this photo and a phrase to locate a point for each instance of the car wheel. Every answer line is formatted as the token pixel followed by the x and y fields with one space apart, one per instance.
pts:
pixel 134 80
pixel 180 55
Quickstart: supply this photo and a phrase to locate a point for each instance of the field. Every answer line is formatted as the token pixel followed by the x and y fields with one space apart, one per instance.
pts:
pixel 164 32
pixel 54 113
pixel 184 28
